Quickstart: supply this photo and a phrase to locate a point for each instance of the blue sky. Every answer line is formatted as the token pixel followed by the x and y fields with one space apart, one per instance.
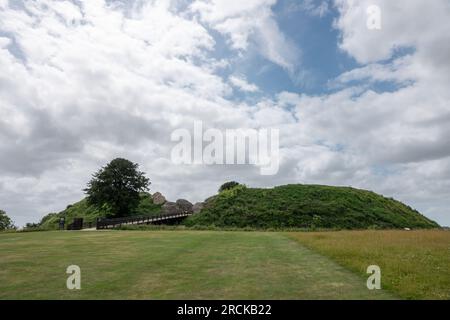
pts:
pixel 320 58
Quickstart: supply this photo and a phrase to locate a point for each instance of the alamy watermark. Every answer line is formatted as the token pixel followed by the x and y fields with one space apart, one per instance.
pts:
pixel 74 280
pixel 374 280
pixel 258 147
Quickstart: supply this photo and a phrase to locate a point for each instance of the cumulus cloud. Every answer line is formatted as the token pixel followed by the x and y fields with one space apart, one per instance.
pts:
pixel 250 22
pixel 242 84
pixel 404 24
pixel 82 82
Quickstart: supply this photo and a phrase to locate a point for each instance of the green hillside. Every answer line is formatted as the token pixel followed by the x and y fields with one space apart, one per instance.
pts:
pixel 89 213
pixel 307 206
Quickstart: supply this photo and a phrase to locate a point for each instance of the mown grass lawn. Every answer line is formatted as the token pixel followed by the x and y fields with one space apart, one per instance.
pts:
pixel 172 265
pixel 414 264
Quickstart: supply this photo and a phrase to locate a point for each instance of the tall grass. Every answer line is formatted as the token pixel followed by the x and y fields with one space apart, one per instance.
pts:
pixel 414 264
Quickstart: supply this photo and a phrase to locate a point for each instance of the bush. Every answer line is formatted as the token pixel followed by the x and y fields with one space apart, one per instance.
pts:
pixel 228 185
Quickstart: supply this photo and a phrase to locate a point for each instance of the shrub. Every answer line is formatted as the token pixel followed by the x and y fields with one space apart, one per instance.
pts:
pixel 228 185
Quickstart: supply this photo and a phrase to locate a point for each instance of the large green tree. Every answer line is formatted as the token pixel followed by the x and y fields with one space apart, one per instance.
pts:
pixel 5 221
pixel 116 187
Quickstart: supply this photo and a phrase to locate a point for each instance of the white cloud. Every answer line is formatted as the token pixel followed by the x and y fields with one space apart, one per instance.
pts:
pixel 95 83
pixel 250 21
pixel 404 23
pixel 400 72
pixel 318 8
pixel 240 82
pixel 84 82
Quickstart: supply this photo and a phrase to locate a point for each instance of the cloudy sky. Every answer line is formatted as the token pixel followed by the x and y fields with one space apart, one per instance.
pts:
pixel 83 82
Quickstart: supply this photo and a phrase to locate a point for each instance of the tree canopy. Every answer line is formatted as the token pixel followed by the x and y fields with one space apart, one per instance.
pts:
pixel 5 221
pixel 116 187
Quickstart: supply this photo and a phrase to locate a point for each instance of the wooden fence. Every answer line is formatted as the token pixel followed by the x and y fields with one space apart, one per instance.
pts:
pixel 111 223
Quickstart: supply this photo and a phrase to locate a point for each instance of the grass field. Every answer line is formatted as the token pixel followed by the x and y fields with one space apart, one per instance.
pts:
pixel 172 265
pixel 414 264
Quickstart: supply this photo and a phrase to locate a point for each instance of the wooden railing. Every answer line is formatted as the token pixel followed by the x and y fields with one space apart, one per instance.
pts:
pixel 111 223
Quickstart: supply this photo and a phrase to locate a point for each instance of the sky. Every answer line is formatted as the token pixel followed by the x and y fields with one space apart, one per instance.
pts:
pixel 84 82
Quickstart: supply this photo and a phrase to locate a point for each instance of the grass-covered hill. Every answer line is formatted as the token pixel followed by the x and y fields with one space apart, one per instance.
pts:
pixel 89 213
pixel 307 206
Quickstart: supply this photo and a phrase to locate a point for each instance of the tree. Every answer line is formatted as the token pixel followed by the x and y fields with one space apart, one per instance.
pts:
pixel 31 225
pixel 116 187
pixel 228 185
pixel 5 221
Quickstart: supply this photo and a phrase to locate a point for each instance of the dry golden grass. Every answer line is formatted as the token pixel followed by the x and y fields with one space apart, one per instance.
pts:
pixel 414 264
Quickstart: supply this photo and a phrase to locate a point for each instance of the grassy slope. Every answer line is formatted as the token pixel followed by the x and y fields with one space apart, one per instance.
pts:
pixel 308 206
pixel 89 213
pixel 414 264
pixel 171 265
